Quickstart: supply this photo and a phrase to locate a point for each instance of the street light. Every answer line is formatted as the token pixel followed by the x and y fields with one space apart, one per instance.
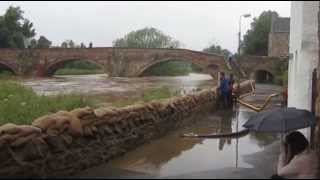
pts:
pixel 245 16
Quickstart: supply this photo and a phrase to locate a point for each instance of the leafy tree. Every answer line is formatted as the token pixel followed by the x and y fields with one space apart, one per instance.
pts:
pixel 146 38
pixel 33 43
pixel 15 29
pixel 256 39
pixel 217 50
pixel 69 44
pixel 43 42
pixel 64 44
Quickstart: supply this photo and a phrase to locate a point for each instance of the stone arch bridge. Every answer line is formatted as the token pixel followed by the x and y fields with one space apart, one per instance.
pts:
pixel 250 67
pixel 117 62
pixel 132 62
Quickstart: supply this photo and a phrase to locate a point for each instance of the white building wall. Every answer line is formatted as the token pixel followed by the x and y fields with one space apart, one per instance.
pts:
pixel 303 52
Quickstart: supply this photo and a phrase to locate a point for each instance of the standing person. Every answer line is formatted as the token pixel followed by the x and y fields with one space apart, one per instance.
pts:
pixel 223 90
pixel 296 160
pixel 285 96
pixel 90 45
pixel 230 96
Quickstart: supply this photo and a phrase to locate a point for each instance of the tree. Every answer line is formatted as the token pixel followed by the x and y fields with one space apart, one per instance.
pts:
pixel 64 44
pixel 256 39
pixel 146 38
pixel 15 29
pixel 43 42
pixel 218 50
pixel 69 44
pixel 33 43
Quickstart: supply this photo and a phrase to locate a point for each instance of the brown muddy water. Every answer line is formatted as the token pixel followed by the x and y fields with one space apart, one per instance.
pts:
pixel 106 90
pixel 102 84
pixel 172 155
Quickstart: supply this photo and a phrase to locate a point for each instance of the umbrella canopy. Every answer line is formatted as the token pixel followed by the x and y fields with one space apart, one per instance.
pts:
pixel 281 120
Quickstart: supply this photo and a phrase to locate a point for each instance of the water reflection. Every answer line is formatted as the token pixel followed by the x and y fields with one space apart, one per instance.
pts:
pixel 172 155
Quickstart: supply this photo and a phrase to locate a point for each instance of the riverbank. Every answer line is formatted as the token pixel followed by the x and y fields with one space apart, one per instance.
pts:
pixel 21 105
pixel 63 143
pixel 73 71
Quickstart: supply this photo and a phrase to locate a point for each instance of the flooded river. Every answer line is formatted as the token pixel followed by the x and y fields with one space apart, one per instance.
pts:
pixel 102 84
pixel 171 155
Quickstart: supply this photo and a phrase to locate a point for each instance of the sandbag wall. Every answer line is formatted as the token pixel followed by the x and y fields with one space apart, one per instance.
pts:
pixel 64 143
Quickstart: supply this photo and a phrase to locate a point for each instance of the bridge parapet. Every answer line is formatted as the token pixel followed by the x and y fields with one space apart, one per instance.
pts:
pixel 125 62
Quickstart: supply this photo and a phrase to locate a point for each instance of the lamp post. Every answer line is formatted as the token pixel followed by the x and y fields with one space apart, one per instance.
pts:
pixel 245 16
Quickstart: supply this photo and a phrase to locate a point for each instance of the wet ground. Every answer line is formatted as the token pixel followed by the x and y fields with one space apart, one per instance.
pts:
pixel 252 156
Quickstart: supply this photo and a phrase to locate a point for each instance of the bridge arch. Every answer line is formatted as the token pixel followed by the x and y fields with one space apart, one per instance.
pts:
pixel 211 69
pixel 263 76
pixel 57 64
pixel 8 67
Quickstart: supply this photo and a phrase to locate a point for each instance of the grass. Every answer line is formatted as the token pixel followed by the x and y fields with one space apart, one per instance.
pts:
pixel 72 71
pixel 148 95
pixel 6 74
pixel 21 105
pixel 80 67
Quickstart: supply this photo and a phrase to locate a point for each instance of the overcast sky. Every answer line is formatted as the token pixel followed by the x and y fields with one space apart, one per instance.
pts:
pixel 195 24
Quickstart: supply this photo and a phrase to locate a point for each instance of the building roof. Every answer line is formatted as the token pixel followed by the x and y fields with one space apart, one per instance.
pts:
pixel 281 24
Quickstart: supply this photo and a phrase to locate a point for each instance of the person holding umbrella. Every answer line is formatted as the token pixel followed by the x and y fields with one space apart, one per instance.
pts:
pixel 296 159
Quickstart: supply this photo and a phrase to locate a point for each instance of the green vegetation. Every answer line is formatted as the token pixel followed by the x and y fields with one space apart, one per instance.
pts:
pixel 256 39
pixel 146 38
pixel 148 95
pixel 68 71
pixel 21 105
pixel 281 73
pixel 5 74
pixel 79 68
pixel 218 50
pixel 285 78
pixel 172 68
pixel 42 42
pixel 15 29
pixel 281 78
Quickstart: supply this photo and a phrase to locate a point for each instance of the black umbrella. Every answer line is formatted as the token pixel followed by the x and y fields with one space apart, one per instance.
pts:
pixel 281 120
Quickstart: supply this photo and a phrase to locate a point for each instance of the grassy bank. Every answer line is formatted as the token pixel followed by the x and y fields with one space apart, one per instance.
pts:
pixel 21 105
pixel 79 67
pixel 147 96
pixel 72 71
pixel 6 74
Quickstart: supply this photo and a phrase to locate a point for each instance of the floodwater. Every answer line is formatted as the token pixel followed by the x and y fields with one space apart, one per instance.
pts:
pixel 121 86
pixel 172 155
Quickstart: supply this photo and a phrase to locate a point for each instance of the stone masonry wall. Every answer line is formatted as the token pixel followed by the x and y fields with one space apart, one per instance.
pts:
pixel 279 44
pixel 64 143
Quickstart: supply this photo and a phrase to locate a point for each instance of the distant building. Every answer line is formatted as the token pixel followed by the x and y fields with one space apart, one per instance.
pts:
pixel 279 37
pixel 304 52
